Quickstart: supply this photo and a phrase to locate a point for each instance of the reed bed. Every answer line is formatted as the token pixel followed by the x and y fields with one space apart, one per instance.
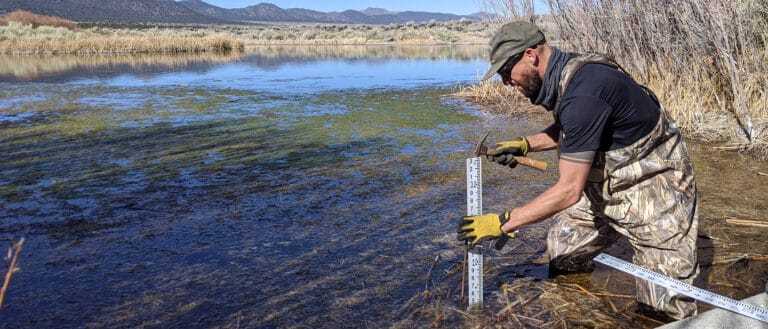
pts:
pixel 706 60
pixel 360 52
pixel 462 31
pixel 108 45
pixel 602 300
pixel 494 97
pixel 24 34
pixel 526 302
pixel 27 33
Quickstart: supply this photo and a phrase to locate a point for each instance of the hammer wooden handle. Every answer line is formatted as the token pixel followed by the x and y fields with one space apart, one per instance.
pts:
pixel 481 149
pixel 528 162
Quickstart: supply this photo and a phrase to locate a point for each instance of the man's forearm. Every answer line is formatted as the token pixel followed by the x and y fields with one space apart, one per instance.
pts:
pixel 565 193
pixel 545 140
pixel 552 201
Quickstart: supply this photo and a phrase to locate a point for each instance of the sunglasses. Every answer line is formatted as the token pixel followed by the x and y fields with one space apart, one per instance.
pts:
pixel 506 69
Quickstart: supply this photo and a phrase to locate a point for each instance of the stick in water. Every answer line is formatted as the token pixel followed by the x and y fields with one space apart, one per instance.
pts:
pixel 16 247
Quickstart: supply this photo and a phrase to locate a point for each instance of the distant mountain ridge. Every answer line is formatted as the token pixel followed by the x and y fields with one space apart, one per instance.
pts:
pixel 112 11
pixel 377 11
pixel 200 12
pixel 267 12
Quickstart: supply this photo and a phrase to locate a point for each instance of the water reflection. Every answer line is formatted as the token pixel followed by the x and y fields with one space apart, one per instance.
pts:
pixel 289 53
pixel 59 67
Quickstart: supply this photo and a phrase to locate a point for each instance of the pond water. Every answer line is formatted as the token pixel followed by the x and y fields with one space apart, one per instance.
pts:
pixel 289 186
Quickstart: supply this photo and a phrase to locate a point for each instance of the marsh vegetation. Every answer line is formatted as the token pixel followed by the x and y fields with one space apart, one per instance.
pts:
pixel 240 188
pixel 25 33
pixel 706 60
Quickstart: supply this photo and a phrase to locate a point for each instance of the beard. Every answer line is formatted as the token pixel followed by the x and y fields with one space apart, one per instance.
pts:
pixel 531 85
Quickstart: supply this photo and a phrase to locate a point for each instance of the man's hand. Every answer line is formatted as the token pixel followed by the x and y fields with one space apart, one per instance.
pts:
pixel 504 152
pixel 480 228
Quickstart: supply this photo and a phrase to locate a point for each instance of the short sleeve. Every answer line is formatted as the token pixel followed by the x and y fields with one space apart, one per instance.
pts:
pixel 584 120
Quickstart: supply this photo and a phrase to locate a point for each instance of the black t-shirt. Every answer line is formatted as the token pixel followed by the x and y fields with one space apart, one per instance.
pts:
pixel 603 109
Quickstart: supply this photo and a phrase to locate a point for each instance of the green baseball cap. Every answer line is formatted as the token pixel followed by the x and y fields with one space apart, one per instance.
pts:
pixel 511 39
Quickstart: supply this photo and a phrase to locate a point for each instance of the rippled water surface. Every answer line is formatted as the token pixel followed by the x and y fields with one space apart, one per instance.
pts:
pixel 284 187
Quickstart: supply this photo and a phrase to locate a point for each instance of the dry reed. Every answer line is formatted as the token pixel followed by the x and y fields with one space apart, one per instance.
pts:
pixel 109 45
pixel 13 254
pixel 706 60
pixel 25 33
pixel 462 31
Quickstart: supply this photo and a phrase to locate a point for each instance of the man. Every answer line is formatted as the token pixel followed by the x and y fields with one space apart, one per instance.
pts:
pixel 624 168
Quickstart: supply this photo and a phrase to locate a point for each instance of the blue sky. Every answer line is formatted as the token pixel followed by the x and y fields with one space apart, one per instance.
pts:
pixel 459 7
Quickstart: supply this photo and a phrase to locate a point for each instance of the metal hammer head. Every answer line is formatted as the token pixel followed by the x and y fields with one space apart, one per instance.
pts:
pixel 479 148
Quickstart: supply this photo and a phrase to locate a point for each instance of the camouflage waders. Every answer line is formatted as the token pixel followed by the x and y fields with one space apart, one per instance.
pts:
pixel 646 192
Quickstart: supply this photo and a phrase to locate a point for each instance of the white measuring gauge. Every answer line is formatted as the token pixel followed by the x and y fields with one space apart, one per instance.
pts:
pixel 475 207
pixel 684 288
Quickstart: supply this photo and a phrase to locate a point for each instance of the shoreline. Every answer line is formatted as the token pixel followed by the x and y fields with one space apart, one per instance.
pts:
pixel 140 38
pixel 711 127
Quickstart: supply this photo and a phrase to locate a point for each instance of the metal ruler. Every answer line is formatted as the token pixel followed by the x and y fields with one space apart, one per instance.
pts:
pixel 475 255
pixel 684 288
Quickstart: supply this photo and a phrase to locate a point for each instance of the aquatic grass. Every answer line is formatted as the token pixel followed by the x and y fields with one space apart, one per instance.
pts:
pixel 92 129
pixel 83 123
pixel 200 102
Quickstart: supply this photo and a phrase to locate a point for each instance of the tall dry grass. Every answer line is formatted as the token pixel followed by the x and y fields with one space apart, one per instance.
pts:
pixel 433 32
pixel 495 97
pixel 706 60
pixel 111 45
pixel 25 33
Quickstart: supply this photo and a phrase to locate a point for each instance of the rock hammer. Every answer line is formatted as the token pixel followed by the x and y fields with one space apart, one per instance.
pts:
pixel 481 149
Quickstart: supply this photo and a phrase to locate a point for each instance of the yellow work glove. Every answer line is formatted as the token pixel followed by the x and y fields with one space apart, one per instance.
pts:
pixel 480 228
pixel 504 152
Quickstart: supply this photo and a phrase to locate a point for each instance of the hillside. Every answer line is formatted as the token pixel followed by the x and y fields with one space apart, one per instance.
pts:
pixel 112 11
pixel 266 12
pixel 200 12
